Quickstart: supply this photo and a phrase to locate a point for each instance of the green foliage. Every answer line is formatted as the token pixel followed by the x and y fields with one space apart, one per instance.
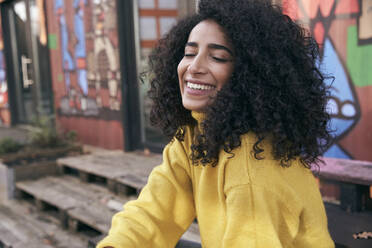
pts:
pixel 44 134
pixel 8 145
pixel 71 136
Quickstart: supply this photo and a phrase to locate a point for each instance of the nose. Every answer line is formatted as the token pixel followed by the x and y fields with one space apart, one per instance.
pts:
pixel 197 65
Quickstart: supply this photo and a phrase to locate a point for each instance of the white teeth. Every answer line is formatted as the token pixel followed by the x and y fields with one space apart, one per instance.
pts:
pixel 199 86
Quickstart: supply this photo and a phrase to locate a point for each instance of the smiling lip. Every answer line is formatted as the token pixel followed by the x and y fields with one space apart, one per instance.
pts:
pixel 198 85
pixel 197 82
pixel 197 88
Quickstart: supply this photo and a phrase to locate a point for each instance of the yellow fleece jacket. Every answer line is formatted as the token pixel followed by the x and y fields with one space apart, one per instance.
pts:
pixel 242 202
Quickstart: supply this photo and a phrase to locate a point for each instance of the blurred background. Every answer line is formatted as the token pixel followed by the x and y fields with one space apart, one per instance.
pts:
pixel 79 64
pixel 81 60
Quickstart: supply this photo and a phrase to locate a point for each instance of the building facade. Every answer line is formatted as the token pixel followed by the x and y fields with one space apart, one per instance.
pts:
pixel 81 60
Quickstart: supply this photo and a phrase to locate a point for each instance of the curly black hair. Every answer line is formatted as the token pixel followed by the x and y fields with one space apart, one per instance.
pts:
pixel 276 90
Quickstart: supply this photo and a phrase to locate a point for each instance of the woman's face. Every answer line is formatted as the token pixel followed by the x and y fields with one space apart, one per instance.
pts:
pixel 206 66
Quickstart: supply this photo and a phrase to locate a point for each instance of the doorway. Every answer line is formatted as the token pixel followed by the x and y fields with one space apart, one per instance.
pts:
pixel 27 60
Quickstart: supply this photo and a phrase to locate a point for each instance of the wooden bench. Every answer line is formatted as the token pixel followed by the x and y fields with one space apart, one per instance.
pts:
pixel 354 179
pixel 348 183
pixel 123 173
pixel 77 203
pixel 22 226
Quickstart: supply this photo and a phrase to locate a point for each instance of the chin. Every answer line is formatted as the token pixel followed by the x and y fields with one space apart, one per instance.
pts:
pixel 193 107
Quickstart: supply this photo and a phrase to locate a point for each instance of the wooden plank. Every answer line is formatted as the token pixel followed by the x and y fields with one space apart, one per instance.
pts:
pixel 96 216
pixel 39 154
pixel 192 233
pixel 125 190
pixel 7 238
pixel 133 180
pixel 111 185
pixel 65 192
pixel 35 170
pixel 87 203
pixel 187 244
pixel 32 244
pixel 46 190
pixel 84 176
pixel 73 225
pixel 40 205
pixel 92 243
pixel 22 226
pixel 96 169
pixel 111 165
pixel 344 170
pixel 343 225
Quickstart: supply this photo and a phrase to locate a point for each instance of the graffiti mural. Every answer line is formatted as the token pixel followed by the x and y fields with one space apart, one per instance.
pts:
pixel 103 60
pixel 343 31
pixel 89 58
pixel 4 104
pixel 83 45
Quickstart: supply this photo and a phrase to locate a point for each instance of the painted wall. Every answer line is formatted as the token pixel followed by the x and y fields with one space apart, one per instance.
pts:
pixel 344 31
pixel 83 43
pixel 4 104
pixel 155 18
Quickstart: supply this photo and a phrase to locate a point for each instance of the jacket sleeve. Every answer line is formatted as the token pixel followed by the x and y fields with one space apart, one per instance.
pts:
pixel 259 217
pixel 164 209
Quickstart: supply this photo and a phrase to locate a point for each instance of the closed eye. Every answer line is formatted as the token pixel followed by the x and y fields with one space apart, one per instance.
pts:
pixel 189 54
pixel 220 59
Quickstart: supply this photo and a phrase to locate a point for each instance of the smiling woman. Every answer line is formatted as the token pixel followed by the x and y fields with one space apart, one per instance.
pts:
pixel 237 90
pixel 206 66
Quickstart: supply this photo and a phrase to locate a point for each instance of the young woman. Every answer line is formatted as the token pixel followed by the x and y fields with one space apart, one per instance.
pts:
pixel 238 89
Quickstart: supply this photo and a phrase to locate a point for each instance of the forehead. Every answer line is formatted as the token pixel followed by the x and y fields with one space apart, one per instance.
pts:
pixel 208 31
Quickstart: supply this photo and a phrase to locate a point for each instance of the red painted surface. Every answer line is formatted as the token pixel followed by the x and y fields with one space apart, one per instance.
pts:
pixel 359 139
pixel 312 7
pixel 290 8
pixel 4 103
pixel 319 33
pixel 347 7
pixel 357 142
pixel 96 132
pixel 56 63
pixel 338 32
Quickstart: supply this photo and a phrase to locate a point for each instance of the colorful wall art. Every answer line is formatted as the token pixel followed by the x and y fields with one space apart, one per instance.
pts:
pixel 344 32
pixel 83 44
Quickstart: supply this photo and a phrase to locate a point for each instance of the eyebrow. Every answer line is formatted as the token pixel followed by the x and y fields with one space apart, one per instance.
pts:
pixel 211 45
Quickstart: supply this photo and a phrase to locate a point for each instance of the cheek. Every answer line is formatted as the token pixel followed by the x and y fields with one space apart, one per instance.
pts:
pixel 180 73
pixel 181 68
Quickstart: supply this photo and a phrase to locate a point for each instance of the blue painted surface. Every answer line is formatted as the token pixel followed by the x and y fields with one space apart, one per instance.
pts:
pixel 340 126
pixel 333 65
pixel 2 67
pixel 58 4
pixel 70 61
pixel 343 116
pixel 335 152
pixel 80 34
